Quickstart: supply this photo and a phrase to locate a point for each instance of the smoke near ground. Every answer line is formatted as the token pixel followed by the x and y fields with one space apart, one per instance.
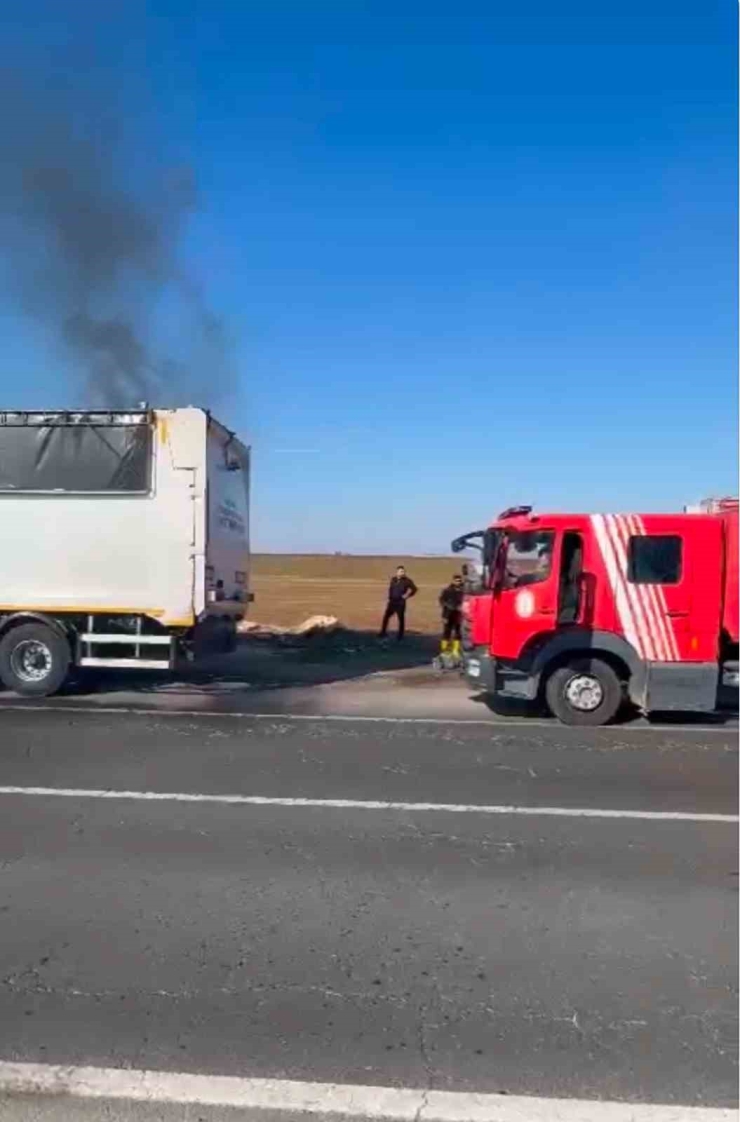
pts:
pixel 91 227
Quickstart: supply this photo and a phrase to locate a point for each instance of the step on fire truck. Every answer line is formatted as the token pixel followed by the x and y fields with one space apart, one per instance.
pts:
pixel 586 612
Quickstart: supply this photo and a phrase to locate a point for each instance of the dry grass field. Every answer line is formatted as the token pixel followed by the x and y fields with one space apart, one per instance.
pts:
pixel 291 587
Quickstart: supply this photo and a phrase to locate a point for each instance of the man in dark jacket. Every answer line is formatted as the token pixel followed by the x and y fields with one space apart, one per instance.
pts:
pixel 401 589
pixel 451 599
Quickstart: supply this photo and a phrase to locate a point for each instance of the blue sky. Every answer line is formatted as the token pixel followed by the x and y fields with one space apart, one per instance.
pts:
pixel 471 254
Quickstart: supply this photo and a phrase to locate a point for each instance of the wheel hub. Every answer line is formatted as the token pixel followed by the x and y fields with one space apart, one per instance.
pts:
pixel 584 692
pixel 31 660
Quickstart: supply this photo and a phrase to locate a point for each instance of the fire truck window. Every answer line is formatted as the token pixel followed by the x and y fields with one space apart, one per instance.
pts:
pixel 528 557
pixel 655 559
pixel 571 566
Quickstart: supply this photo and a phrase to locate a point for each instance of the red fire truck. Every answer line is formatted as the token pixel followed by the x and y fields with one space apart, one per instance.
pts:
pixel 587 611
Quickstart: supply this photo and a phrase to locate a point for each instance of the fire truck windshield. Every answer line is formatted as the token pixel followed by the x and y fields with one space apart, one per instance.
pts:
pixel 528 557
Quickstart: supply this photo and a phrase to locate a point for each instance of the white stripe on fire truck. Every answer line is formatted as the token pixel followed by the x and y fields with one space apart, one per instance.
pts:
pixel 619 592
pixel 614 529
pixel 665 619
pixel 621 534
pixel 650 613
pixel 655 615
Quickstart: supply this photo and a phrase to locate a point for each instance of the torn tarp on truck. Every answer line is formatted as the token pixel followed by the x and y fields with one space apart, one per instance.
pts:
pixel 75 453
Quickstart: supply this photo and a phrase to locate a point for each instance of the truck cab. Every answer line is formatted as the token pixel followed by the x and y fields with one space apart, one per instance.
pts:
pixel 585 611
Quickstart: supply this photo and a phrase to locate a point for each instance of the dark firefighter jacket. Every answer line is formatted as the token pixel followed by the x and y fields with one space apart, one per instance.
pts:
pixel 450 599
pixel 401 588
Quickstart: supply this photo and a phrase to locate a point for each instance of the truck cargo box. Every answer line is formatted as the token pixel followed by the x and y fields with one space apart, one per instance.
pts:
pixel 121 516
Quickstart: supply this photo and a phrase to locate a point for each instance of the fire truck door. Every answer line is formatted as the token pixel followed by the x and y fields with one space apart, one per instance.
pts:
pixel 526 601
pixel 571 590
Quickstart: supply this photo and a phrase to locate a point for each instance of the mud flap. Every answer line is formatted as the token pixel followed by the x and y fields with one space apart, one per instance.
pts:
pixel 214 636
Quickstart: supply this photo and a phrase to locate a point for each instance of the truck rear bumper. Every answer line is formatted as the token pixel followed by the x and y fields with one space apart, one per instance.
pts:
pixel 218 609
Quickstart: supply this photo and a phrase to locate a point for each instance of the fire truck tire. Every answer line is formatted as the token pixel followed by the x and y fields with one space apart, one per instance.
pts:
pixel 585 692
pixel 34 660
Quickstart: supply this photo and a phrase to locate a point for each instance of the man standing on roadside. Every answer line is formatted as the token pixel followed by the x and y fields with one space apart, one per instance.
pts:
pixel 401 589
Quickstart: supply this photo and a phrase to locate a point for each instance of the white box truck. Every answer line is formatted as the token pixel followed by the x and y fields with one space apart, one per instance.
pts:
pixel 124 541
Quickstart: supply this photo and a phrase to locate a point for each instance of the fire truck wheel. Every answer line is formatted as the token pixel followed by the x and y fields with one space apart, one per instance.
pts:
pixel 34 660
pixel 586 692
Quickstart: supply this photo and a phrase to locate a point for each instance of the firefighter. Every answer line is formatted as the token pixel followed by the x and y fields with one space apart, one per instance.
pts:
pixel 450 600
pixel 400 589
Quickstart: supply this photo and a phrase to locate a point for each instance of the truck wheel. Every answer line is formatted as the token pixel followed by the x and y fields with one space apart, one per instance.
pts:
pixel 34 660
pixel 586 692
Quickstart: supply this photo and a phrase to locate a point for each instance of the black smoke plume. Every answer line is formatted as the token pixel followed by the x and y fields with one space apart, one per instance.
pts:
pixel 90 226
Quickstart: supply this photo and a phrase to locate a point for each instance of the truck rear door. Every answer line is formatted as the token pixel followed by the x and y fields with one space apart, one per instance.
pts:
pixel 227 545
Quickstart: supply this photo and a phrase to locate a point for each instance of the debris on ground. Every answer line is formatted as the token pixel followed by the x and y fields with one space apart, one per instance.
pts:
pixel 310 628
pixel 323 640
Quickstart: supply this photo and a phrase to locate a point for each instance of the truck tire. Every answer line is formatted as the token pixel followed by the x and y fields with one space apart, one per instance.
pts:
pixel 586 692
pixel 34 659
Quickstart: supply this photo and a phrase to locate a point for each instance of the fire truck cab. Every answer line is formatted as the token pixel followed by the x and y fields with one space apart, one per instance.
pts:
pixel 587 611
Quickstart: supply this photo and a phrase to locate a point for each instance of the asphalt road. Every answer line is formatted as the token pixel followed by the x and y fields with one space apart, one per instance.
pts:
pixel 307 683
pixel 534 954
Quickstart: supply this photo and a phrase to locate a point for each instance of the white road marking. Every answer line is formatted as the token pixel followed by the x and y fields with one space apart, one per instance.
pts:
pixel 346 1099
pixel 366 804
pixel 490 722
